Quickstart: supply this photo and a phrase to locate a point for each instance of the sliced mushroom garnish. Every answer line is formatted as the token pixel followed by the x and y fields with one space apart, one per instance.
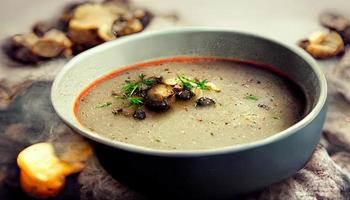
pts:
pixel 170 81
pixel 159 97
pixel 212 86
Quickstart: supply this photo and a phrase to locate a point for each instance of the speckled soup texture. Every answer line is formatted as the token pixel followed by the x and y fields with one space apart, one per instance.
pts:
pixel 254 103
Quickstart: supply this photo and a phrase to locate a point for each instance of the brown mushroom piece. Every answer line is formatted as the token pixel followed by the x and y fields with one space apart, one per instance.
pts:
pixel 91 23
pixel 43 173
pixel 323 45
pixel 144 16
pixel 159 97
pixel 139 114
pixel 40 28
pixel 123 26
pixel 19 46
pixel 53 44
pixel 345 34
pixel 205 101
pixel 30 48
pixel 184 94
pixel 334 21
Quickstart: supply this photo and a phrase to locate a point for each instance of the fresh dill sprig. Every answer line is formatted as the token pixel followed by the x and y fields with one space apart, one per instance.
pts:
pixel 191 83
pixel 186 82
pixel 131 87
pixel 135 101
pixel 202 84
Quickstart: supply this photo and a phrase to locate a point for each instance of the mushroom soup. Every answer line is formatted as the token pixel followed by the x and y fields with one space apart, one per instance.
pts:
pixel 188 103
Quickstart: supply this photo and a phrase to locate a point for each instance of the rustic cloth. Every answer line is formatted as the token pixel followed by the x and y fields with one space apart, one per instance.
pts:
pixel 27 117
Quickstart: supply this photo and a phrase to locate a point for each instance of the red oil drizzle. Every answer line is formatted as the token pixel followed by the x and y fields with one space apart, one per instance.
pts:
pixel 182 59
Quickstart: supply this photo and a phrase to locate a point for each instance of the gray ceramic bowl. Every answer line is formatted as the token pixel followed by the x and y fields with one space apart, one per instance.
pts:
pixel 202 174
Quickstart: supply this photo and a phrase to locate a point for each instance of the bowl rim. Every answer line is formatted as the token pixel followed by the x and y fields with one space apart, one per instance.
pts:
pixel 315 111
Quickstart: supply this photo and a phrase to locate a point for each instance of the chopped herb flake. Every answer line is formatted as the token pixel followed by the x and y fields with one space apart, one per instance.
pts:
pixel 191 83
pixel 251 97
pixel 107 104
pixel 275 117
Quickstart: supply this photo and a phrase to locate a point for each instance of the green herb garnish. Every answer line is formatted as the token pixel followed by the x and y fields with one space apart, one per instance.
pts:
pixel 191 83
pixel 186 82
pixel 130 90
pixel 251 97
pixel 275 117
pixel 107 104
pixel 135 101
pixel 157 140
pixel 131 87
pixel 202 84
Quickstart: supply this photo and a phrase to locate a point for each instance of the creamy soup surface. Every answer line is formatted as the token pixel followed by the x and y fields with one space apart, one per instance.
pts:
pixel 254 103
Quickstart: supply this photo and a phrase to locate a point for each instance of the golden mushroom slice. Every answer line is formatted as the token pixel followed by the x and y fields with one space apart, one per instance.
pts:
pixel 26 40
pixel 91 23
pixel 54 43
pixel 212 86
pixel 42 173
pixel 323 45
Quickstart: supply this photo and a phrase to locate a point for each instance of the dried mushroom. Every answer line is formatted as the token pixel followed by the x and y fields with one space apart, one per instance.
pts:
pixel 41 28
pixel 91 24
pixel 334 21
pixel 30 48
pixel 42 173
pixel 53 43
pixel 81 26
pixel 345 34
pixel 19 48
pixel 122 26
pixel 67 15
pixel 323 45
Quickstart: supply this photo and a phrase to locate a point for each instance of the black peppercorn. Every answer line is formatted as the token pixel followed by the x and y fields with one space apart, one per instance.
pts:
pixel 205 101
pixel 139 114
